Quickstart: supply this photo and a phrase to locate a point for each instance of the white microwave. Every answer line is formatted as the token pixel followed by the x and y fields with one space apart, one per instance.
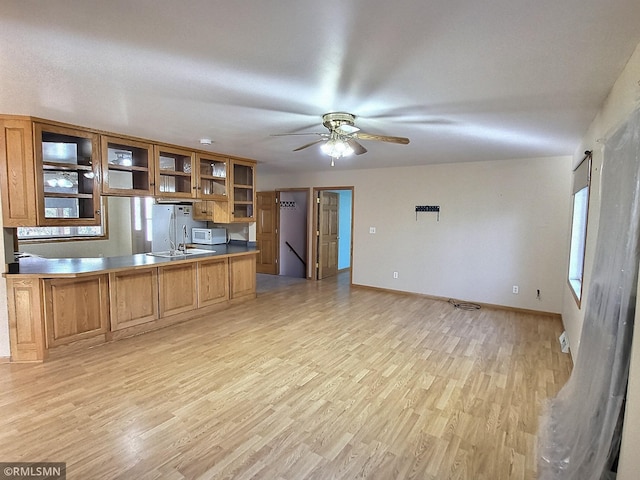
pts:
pixel 209 236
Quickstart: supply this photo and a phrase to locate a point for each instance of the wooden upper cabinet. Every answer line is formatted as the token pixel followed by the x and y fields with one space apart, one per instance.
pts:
pixel 243 179
pixel 238 205
pixel 216 211
pixel 52 174
pixel 127 167
pixel 175 172
pixel 211 178
pixel 17 173
pixel 67 175
pixel 49 174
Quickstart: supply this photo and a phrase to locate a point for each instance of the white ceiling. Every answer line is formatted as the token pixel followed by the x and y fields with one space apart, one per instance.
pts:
pixel 464 80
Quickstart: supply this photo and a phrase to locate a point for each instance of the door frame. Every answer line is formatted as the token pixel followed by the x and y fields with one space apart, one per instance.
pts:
pixel 313 274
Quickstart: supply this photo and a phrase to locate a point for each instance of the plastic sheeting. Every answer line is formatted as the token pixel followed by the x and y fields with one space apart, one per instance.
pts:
pixel 580 430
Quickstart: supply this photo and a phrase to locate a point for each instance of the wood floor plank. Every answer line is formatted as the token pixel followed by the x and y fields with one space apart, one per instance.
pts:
pixel 311 380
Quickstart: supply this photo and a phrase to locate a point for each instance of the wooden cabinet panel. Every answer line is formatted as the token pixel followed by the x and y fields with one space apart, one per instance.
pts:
pixel 75 308
pixel 17 175
pixel 49 175
pixel 213 282
pixel 212 211
pixel 133 297
pixel 26 320
pixel 242 276
pixel 177 288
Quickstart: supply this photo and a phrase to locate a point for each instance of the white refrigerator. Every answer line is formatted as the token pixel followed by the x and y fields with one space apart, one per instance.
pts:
pixel 168 224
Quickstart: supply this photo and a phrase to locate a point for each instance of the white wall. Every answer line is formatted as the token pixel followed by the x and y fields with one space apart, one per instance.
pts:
pixel 623 99
pixel 502 223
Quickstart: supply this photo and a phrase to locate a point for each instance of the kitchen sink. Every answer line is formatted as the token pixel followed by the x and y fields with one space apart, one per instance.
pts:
pixel 177 253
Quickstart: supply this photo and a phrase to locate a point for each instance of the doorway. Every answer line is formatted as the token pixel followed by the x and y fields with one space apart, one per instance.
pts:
pixel 282 232
pixel 333 218
pixel 293 239
pixel 287 231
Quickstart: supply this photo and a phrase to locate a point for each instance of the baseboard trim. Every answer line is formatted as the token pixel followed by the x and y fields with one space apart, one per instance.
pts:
pixel 446 299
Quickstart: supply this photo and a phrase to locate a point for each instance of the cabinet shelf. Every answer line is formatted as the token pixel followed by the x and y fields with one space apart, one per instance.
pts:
pixel 67 195
pixel 66 167
pixel 175 173
pixel 213 177
pixel 125 168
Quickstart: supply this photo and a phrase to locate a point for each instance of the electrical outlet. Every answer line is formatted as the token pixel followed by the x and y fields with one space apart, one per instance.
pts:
pixel 516 290
pixel 372 229
pixel 395 274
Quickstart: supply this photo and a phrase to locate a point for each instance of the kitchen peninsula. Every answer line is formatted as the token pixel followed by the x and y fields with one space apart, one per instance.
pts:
pixel 55 302
pixel 55 175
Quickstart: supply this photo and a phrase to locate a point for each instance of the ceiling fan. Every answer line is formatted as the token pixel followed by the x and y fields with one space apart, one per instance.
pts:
pixel 343 136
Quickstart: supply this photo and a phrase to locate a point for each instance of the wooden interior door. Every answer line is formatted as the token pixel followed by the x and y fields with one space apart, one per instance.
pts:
pixel 327 234
pixel 267 232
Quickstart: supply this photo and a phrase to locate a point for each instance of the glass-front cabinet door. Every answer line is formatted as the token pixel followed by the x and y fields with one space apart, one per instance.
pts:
pixel 212 177
pixel 175 172
pixel 68 176
pixel 127 167
pixel 243 191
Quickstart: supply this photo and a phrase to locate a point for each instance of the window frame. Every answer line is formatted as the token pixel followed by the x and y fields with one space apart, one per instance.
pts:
pixel 578 246
pixel 73 237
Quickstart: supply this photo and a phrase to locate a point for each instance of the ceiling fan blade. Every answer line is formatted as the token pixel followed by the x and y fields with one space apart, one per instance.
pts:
pixel 308 145
pixel 382 138
pixel 357 148
pixel 290 134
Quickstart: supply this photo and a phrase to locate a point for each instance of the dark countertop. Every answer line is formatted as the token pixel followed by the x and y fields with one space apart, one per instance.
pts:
pixel 72 267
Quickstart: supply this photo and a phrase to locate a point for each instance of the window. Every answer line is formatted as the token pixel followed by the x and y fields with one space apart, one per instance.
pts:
pixel 65 233
pixel 581 177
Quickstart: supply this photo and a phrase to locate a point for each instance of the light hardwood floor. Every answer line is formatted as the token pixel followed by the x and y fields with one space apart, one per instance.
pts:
pixel 315 380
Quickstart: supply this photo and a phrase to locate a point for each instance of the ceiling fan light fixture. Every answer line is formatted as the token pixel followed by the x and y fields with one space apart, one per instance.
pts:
pixel 336 147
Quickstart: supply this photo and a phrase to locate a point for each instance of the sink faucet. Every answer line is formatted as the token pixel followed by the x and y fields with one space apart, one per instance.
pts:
pixel 182 247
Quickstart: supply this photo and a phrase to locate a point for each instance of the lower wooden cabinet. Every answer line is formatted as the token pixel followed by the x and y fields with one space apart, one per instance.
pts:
pixel 133 297
pixel 178 292
pixel 26 319
pixel 47 312
pixel 213 282
pixel 75 308
pixel 242 276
